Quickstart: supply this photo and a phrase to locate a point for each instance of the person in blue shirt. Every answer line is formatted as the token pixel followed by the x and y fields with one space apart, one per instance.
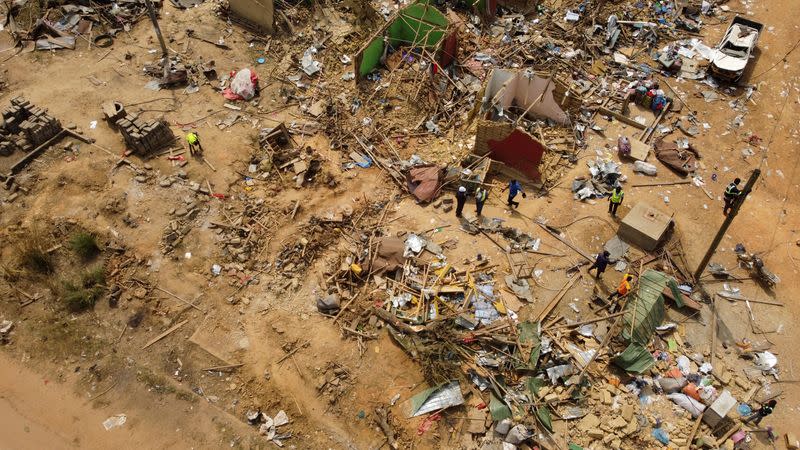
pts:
pixel 600 264
pixel 513 189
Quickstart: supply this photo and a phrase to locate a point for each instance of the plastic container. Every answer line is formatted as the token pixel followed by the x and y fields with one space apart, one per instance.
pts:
pixel 661 436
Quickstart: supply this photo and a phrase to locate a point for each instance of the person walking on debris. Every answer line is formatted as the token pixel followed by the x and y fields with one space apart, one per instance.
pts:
pixel 617 195
pixel 622 291
pixel 480 198
pixel 461 198
pixel 194 143
pixel 732 193
pixel 513 189
pixel 762 412
pixel 600 263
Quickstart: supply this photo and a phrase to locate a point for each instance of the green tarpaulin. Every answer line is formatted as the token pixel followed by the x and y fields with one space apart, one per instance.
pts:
pixel 529 337
pixel 534 384
pixel 676 293
pixel 543 412
pixel 498 409
pixel 418 25
pixel 645 310
pixel 636 358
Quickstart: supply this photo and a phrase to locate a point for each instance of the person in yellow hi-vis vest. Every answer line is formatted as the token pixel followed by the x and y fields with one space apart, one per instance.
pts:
pixel 480 198
pixel 194 143
pixel 617 195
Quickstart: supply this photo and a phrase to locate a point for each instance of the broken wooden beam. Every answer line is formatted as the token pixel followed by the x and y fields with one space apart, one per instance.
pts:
pixel 624 119
pixel 181 299
pixel 547 309
pixel 662 183
pixel 165 334
pixel 566 242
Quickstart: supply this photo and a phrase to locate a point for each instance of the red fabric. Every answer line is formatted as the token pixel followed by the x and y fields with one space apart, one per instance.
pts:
pixel 449 50
pixel 520 151
pixel 230 95
pixel 424 182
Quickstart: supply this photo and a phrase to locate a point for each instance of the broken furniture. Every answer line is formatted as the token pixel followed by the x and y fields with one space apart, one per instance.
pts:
pixel 645 227
pixel 142 137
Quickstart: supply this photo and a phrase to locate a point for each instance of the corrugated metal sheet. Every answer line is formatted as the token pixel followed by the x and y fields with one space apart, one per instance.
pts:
pixel 645 311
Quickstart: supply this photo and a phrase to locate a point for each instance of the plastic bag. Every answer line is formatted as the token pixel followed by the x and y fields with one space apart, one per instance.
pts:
pixel 694 407
pixel 671 385
pixel 683 364
pixel 645 168
pixel 661 436
pixel 623 146
pixel 243 85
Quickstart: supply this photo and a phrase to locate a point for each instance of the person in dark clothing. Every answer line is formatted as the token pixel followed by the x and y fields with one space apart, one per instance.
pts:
pixel 514 188
pixel 762 412
pixel 732 194
pixel 461 198
pixel 480 198
pixel 617 195
pixel 600 263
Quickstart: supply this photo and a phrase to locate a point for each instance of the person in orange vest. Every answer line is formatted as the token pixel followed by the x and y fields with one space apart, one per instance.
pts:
pixel 623 289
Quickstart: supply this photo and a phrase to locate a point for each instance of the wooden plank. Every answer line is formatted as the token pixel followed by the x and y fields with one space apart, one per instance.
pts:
pixel 621 118
pixel 181 299
pixel 165 334
pixel 543 314
pixel 566 242
pixel 662 183
pixel 742 299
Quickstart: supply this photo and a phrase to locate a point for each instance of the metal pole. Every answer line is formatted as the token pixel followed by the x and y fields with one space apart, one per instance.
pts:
pixel 164 54
pixel 727 223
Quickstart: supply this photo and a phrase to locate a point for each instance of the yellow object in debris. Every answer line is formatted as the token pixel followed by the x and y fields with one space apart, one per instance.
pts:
pixel 355 268
pixel 442 271
pixel 500 307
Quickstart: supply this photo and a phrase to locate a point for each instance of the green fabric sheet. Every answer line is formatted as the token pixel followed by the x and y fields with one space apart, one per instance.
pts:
pixel 645 310
pixel 636 358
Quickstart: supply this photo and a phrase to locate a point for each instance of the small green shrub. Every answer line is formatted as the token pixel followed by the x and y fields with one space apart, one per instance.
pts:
pixel 33 258
pixel 84 245
pixel 84 294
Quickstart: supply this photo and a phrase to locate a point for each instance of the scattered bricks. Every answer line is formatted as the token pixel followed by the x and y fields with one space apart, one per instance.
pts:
pixel 792 442
pixel 596 433
pixel 627 412
pixel 607 399
pixel 742 383
pixel 618 422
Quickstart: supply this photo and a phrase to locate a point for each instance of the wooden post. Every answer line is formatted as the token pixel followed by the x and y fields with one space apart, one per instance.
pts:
pixel 727 223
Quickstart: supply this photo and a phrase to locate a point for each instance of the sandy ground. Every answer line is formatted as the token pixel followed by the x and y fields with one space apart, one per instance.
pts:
pixel 37 413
